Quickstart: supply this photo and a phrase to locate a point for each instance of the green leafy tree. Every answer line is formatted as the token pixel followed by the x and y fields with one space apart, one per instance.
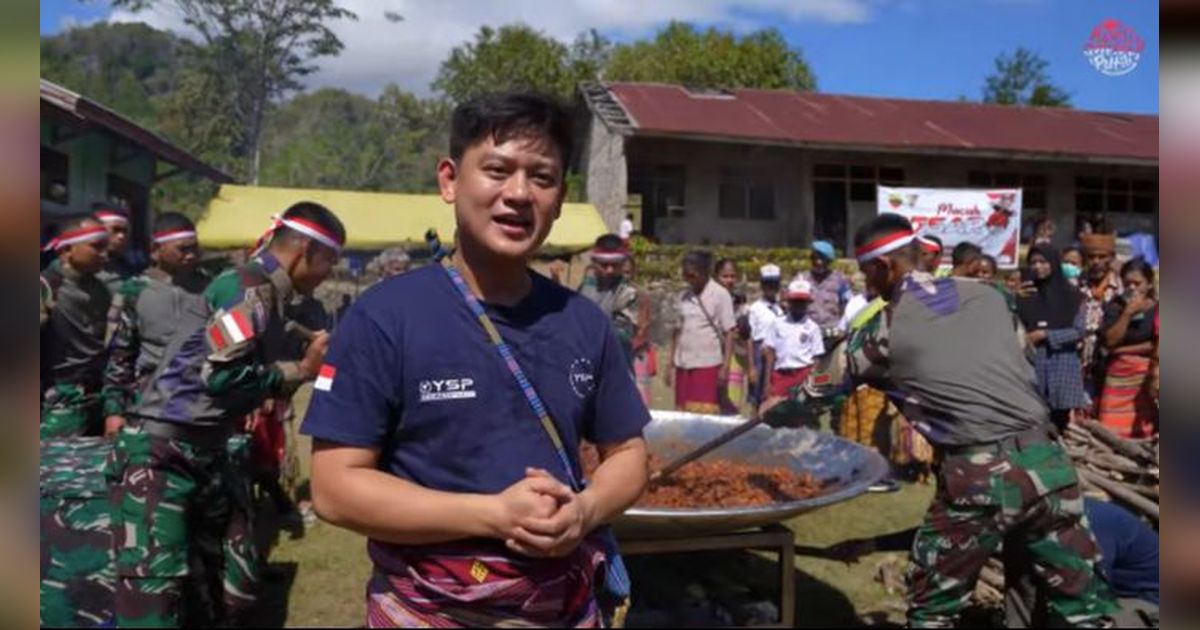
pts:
pixel 713 59
pixel 332 138
pixel 261 49
pixel 124 66
pixel 517 57
pixel 1022 79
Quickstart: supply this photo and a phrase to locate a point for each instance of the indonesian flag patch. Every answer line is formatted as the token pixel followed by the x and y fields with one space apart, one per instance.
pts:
pixel 230 329
pixel 324 380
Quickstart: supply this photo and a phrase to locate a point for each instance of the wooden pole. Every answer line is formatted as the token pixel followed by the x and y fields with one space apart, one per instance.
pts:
pixel 1120 491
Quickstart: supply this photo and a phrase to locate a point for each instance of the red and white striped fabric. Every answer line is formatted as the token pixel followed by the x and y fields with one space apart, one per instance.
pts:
pixel 884 245
pixel 108 216
pixel 230 329
pixel 74 237
pixel 307 228
pixel 609 255
pixel 928 245
pixel 167 236
pixel 324 380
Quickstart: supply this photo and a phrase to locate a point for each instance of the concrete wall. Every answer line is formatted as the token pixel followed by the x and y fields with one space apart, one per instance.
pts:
pixel 606 172
pixel 704 161
pixel 791 171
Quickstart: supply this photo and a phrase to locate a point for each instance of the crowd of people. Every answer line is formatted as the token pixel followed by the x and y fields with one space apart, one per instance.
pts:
pixel 466 386
pixel 1089 324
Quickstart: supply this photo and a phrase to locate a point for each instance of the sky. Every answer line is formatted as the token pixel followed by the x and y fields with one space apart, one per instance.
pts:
pixel 928 49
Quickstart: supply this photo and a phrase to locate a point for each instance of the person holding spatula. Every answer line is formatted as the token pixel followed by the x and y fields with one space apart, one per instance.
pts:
pixel 946 351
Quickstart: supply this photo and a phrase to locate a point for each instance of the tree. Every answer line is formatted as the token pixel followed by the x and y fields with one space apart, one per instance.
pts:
pixel 516 57
pixel 332 138
pixel 124 66
pixel 713 59
pixel 261 48
pixel 1022 80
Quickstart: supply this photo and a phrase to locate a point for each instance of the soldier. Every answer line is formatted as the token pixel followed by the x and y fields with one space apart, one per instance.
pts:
pixel 616 297
pixel 148 310
pixel 119 268
pixel 947 349
pixel 73 311
pixel 176 491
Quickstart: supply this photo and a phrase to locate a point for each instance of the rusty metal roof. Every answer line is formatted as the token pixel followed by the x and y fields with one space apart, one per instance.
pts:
pixel 888 124
pixel 81 111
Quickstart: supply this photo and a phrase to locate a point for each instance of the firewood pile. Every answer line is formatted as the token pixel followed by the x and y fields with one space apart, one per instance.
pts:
pixel 1122 470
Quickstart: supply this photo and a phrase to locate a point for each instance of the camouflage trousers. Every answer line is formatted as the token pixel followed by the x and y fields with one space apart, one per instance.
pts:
pixel 181 531
pixel 69 411
pixel 1027 496
pixel 77 577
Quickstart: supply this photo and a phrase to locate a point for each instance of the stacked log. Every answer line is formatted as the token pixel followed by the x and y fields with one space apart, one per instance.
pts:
pixel 1117 469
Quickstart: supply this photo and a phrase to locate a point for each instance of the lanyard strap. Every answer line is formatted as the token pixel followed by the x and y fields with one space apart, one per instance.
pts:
pixel 510 361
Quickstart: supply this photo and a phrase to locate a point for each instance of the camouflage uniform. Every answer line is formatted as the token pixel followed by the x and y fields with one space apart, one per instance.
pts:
pixel 145 315
pixel 77 576
pixel 620 303
pixel 73 314
pixel 944 351
pixel 182 500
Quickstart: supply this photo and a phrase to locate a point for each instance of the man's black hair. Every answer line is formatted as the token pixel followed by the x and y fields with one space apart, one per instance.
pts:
pixel 507 115
pixel 964 253
pixel 73 222
pixel 314 213
pixel 699 260
pixel 609 242
pixel 171 221
pixel 883 225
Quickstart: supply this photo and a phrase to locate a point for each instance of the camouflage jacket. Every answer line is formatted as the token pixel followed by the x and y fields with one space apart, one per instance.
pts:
pixel 238 358
pixel 73 311
pixel 620 303
pixel 145 315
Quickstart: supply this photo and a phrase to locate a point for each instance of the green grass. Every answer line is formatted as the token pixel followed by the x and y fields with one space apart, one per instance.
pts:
pixel 323 574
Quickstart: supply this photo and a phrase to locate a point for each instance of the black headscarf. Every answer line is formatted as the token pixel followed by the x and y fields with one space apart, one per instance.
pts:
pixel 1056 302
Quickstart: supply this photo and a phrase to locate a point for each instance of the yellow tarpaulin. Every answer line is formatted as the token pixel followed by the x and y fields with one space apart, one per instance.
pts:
pixel 238 215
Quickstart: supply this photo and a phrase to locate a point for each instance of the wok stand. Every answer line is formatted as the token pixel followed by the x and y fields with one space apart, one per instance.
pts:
pixel 773 538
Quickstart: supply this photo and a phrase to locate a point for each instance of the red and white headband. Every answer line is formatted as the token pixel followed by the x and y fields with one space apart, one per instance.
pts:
pixel 74 237
pixel 307 228
pixel 609 255
pixel 884 245
pixel 166 236
pixel 108 216
pixel 929 245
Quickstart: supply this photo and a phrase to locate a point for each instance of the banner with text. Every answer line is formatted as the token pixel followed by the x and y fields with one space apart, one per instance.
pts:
pixel 988 217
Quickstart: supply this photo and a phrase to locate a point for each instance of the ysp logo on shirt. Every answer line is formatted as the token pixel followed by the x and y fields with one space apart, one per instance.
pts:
pixel 583 377
pixel 434 390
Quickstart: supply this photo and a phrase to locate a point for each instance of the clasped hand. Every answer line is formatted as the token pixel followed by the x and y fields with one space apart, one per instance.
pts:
pixel 542 517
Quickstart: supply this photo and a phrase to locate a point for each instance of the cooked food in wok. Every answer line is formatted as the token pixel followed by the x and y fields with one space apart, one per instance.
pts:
pixel 718 483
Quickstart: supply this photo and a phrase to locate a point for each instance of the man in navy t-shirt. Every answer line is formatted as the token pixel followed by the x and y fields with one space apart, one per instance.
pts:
pixel 424 441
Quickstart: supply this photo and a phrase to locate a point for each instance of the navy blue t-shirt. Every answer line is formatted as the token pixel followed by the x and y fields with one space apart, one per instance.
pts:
pixel 1129 550
pixel 414 374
